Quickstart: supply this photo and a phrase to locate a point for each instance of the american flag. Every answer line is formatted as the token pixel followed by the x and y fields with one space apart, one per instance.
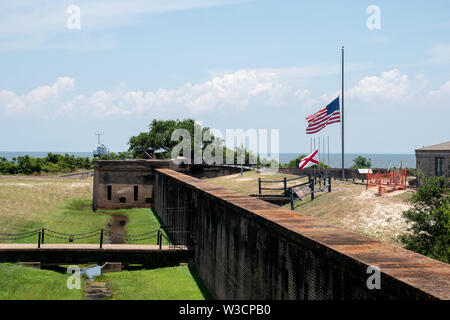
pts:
pixel 328 115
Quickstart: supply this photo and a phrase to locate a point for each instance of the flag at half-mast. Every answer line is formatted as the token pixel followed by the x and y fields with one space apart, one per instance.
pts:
pixel 309 161
pixel 328 115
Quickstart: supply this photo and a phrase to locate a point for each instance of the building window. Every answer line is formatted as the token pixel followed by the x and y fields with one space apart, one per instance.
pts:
pixel 123 200
pixel 109 192
pixel 136 193
pixel 439 166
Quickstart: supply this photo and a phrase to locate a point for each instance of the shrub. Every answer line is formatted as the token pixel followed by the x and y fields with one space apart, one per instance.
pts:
pixel 361 162
pixel 429 232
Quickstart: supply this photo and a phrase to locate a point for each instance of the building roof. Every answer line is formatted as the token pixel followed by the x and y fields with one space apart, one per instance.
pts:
pixel 437 147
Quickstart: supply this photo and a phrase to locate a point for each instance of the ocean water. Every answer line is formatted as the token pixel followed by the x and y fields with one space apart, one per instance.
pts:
pixel 334 160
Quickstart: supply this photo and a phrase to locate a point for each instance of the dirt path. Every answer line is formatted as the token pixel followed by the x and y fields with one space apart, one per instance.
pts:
pixel 97 290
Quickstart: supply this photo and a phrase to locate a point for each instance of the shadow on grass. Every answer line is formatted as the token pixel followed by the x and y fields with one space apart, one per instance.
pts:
pixel 157 217
pixel 79 205
pixel 200 283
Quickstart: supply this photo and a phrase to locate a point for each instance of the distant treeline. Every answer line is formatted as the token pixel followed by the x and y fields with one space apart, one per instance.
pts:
pixel 53 163
pixel 50 163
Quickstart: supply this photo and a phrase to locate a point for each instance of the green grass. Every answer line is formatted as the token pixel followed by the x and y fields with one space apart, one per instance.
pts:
pixel 171 283
pixel 19 282
pixel 140 221
pixel 63 205
pixel 24 283
pixel 77 217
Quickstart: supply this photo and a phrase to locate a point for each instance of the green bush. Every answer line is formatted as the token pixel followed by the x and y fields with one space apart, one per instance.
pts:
pixel 429 231
pixel 7 167
pixel 51 163
pixel 361 162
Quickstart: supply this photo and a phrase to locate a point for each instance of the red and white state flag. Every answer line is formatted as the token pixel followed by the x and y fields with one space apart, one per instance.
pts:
pixel 309 161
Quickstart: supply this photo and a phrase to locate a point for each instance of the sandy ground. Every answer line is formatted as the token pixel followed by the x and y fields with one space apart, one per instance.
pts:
pixel 378 217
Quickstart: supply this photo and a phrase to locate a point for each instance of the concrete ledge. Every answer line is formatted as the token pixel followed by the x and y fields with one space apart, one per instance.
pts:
pixel 91 253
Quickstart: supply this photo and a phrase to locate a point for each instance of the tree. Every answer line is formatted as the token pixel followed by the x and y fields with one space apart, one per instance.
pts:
pixel 361 163
pixel 117 156
pixel 295 162
pixel 429 232
pixel 159 136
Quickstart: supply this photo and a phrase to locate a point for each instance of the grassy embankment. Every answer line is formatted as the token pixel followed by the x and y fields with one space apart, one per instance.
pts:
pixel 348 205
pixel 64 205
pixel 24 283
pixel 171 283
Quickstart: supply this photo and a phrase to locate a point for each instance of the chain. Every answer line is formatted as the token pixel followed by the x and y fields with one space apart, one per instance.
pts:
pixel 73 234
pixel 73 238
pixel 20 234
pixel 130 235
pixel 80 236
pixel 18 238
pixel 132 238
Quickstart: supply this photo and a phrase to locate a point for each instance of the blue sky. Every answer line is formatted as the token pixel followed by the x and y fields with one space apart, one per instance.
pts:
pixel 230 64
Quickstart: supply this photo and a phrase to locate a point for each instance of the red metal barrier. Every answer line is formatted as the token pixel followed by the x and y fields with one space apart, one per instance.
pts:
pixel 388 182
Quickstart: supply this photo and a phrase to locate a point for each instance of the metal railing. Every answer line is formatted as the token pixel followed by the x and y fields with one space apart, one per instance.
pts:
pixel 323 182
pixel 284 188
pixel 175 238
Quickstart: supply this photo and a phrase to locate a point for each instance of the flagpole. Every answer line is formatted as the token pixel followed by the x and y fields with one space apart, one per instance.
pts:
pixel 314 171
pixel 323 151
pixel 342 114
pixel 319 155
pixel 328 143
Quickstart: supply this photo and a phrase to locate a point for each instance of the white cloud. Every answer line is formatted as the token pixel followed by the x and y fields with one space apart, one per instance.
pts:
pixel 391 85
pixel 254 90
pixel 63 84
pixel 12 103
pixel 443 91
pixel 237 90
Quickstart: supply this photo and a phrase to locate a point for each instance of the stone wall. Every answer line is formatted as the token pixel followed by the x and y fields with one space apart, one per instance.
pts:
pixel 246 248
pixel 426 162
pixel 117 181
